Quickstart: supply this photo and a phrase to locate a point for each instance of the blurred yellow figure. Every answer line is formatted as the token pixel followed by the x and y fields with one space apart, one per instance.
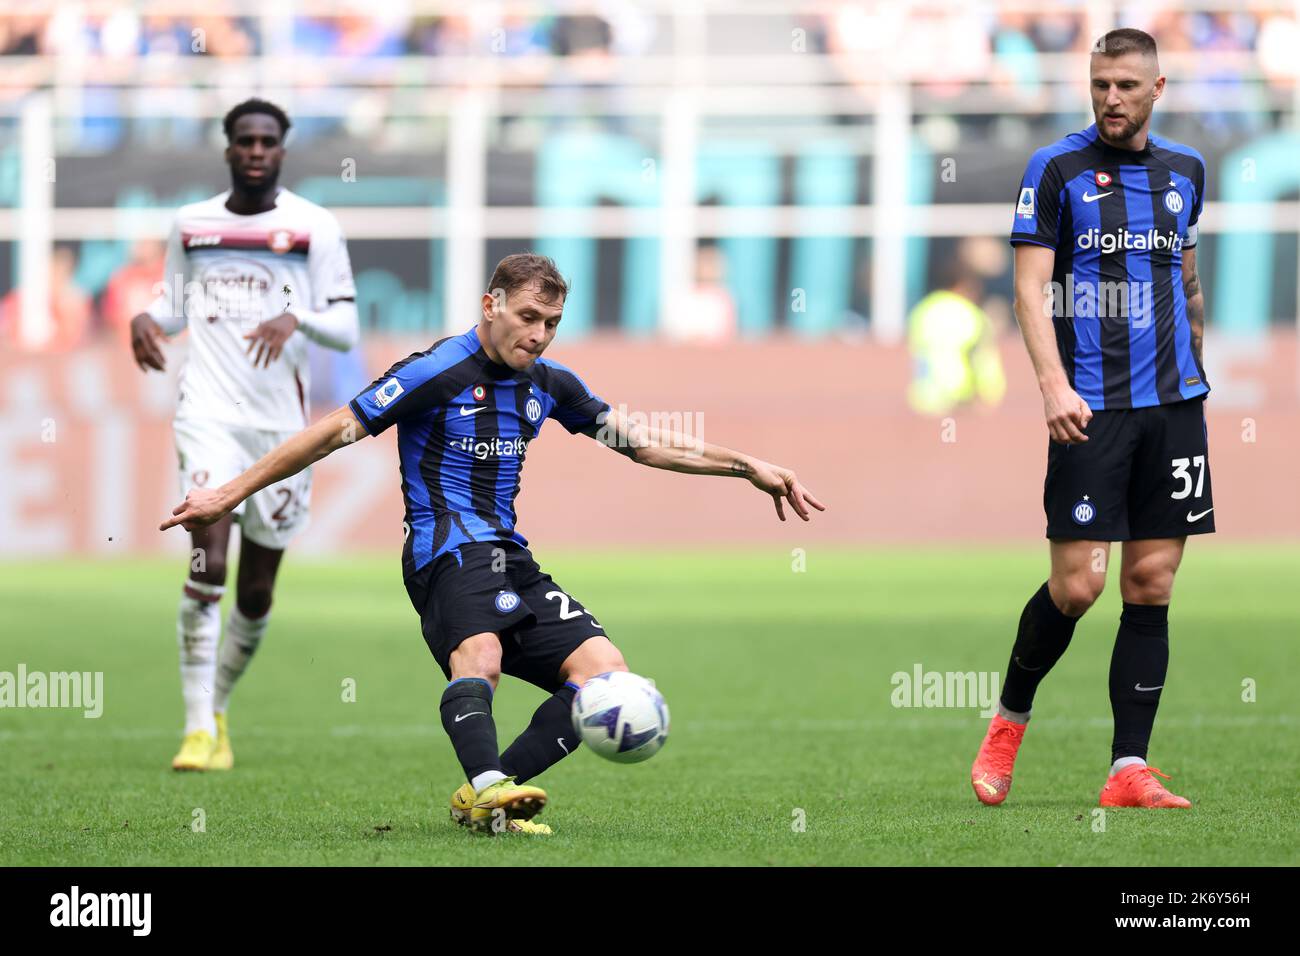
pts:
pixel 954 344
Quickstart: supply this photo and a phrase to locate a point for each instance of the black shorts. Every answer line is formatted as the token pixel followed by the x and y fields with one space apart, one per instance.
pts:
pixel 496 586
pixel 1142 473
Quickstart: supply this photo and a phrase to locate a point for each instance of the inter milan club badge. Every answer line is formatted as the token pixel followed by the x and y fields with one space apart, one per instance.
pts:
pixel 280 241
pixel 506 601
pixel 480 393
pixel 1102 179
pixel 1083 511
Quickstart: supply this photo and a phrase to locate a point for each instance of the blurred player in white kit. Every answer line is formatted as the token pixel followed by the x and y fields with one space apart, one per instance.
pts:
pixel 253 273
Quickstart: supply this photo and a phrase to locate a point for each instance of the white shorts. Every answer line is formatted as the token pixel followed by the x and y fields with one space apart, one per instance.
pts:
pixel 212 453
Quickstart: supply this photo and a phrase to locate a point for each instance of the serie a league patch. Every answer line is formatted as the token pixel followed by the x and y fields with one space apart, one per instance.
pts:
pixel 1025 207
pixel 387 392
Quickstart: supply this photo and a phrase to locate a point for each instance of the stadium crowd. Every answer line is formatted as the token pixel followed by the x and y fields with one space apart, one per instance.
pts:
pixel 975 51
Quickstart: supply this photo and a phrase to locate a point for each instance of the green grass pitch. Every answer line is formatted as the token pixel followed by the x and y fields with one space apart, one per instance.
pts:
pixel 780 689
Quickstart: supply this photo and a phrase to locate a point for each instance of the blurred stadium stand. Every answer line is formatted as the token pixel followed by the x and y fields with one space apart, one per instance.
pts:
pixel 793 176
pixel 838 148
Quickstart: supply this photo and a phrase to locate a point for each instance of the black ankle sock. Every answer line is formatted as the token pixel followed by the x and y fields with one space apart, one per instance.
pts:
pixel 548 739
pixel 1138 666
pixel 467 717
pixel 1041 639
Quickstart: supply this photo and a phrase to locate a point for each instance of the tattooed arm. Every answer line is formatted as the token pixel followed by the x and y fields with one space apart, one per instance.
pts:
pixel 1195 303
pixel 660 448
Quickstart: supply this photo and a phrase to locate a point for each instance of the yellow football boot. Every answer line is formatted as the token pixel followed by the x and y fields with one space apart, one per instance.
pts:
pixel 504 801
pixel 223 758
pixel 196 751
pixel 462 802
pixel 528 828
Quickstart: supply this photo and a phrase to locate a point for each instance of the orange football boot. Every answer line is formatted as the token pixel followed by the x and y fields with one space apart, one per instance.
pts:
pixel 990 776
pixel 1134 786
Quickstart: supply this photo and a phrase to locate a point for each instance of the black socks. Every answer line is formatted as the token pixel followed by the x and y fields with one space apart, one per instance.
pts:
pixel 1138 665
pixel 1041 639
pixel 548 739
pixel 467 717
pixel 1137 672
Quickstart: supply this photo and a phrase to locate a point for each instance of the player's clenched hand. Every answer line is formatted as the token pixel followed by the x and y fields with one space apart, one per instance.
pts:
pixel 146 343
pixel 781 483
pixel 1067 415
pixel 201 507
pixel 267 340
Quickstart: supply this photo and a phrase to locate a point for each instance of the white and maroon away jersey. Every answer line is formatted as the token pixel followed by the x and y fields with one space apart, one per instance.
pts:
pixel 225 274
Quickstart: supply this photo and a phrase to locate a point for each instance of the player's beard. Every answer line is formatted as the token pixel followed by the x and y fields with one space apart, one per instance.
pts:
pixel 1131 126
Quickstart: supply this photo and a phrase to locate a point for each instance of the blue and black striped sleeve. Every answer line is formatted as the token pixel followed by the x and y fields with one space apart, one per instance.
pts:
pixel 1038 203
pixel 576 407
pixel 414 385
pixel 1198 184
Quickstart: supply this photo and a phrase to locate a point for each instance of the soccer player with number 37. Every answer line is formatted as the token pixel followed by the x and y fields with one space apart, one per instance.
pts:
pixel 466 410
pixel 1110 306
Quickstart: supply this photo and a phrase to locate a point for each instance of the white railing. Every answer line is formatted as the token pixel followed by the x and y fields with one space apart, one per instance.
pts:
pixel 682 88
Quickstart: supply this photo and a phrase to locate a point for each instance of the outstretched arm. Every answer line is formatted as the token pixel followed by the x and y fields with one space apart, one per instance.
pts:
pixel 670 450
pixel 205 506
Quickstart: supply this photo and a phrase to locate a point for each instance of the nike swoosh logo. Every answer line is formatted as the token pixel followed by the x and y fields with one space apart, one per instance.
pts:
pixel 560 741
pixel 1192 517
pixel 1140 687
pixel 474 714
pixel 472 411
pixel 1025 666
pixel 1087 197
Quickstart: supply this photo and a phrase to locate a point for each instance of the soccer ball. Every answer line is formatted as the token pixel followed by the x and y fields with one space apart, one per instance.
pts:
pixel 621 716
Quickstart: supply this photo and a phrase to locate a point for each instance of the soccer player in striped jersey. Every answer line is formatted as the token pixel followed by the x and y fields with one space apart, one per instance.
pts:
pixel 253 274
pixel 466 410
pixel 1112 314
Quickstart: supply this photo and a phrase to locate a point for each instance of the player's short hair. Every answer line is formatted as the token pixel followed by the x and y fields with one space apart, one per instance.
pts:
pixel 523 269
pixel 1125 40
pixel 255 106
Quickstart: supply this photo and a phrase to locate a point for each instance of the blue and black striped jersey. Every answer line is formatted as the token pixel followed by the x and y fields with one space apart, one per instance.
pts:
pixel 1119 221
pixel 463 425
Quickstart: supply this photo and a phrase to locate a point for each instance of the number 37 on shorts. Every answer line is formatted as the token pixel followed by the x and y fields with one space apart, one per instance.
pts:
pixel 1143 473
